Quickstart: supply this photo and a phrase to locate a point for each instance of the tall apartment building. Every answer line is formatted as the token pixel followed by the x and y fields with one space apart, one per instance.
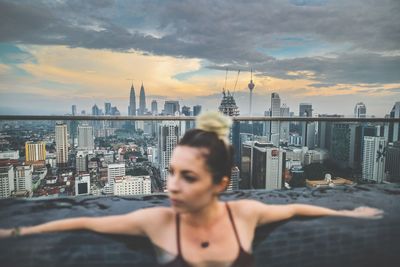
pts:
pixel 373 165
pixel 81 161
pixel 115 170
pixel 168 138
pixel 132 185
pixel 234 181
pixel 85 137
pixel 35 151
pixel 61 135
pixel 6 181
pixel 171 107
pixel 394 127
pixel 154 107
pixel 23 178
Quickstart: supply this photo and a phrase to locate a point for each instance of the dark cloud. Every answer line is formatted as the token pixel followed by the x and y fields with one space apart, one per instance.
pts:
pixel 362 36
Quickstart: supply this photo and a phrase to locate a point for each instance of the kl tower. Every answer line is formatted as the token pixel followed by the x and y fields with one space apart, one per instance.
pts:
pixel 251 87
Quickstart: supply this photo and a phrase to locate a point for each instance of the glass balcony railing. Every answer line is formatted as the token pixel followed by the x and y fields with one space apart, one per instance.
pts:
pixel 57 156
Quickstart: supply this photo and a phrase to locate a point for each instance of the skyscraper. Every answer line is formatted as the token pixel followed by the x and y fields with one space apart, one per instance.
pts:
pixel 196 110
pixel 305 110
pixel 265 164
pixel 360 111
pixel 95 110
pixel 374 155
pixel 142 101
pixel 35 151
pixel 392 161
pixel 284 125
pixel 154 107
pixel 61 135
pixel 85 137
pixel 132 102
pixel 107 108
pixel 307 128
pixel 167 141
pixel 394 128
pixel 171 107
pixel 275 112
pixel 73 110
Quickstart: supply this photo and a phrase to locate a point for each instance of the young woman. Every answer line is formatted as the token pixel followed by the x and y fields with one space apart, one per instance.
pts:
pixel 198 229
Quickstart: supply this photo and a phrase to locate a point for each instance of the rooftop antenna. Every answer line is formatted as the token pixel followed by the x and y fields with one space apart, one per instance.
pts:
pixel 251 87
pixel 226 77
pixel 237 78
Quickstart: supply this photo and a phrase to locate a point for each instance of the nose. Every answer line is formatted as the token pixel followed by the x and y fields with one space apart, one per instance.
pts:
pixel 172 184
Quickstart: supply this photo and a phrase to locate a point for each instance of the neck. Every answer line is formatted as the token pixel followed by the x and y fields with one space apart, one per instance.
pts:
pixel 206 216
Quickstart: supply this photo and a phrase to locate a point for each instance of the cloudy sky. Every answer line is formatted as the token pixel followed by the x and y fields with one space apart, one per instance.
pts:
pixel 333 54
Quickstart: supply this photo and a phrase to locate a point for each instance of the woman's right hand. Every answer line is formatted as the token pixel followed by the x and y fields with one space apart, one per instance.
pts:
pixel 4 233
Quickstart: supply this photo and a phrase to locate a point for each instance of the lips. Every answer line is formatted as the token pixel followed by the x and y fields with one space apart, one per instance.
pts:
pixel 176 202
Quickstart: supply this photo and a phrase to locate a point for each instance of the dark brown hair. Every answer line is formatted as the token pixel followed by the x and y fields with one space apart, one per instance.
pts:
pixel 219 156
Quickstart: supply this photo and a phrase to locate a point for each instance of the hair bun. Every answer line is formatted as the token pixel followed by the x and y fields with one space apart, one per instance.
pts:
pixel 214 121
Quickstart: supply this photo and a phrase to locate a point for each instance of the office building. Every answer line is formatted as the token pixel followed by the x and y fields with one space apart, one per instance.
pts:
pixel 394 127
pixel 61 136
pixel 374 156
pixel 115 170
pixel 171 108
pixel 196 110
pixel 262 165
pixel 154 107
pixel 392 167
pixel 107 108
pixel 284 125
pixel 132 185
pixel 85 137
pixel 82 185
pixel 360 111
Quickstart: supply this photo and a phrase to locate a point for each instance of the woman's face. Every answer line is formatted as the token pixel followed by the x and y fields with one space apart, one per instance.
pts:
pixel 190 186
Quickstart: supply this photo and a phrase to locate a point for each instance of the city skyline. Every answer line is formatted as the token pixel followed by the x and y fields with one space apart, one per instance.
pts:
pixel 332 54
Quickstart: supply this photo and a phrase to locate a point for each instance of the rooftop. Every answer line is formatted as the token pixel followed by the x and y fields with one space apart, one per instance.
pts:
pixel 325 241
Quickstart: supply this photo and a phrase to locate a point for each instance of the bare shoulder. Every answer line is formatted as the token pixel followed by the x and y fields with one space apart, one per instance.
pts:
pixel 245 207
pixel 152 218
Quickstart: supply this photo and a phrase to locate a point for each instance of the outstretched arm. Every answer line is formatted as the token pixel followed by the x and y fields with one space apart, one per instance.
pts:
pixel 274 213
pixel 131 223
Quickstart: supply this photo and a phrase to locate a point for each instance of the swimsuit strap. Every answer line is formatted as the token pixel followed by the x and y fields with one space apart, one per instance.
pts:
pixel 233 224
pixel 178 239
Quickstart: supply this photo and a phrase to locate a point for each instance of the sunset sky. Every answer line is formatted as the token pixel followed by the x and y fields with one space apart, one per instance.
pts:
pixel 333 54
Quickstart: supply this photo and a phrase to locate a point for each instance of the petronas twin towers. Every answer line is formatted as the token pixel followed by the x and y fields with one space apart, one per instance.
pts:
pixel 132 102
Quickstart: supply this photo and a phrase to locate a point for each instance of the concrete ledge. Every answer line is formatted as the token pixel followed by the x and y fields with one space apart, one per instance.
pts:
pixel 326 241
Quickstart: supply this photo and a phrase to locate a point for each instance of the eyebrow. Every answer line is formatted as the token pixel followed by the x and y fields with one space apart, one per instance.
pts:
pixel 184 171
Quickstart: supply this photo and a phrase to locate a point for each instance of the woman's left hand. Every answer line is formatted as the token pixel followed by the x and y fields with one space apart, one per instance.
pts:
pixel 363 213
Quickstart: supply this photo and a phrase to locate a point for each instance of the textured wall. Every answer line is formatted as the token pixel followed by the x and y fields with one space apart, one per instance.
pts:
pixel 327 241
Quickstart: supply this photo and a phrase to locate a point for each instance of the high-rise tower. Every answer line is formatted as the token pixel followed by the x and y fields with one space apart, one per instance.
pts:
pixel 61 144
pixel 142 101
pixel 132 102
pixel 275 112
pixel 251 87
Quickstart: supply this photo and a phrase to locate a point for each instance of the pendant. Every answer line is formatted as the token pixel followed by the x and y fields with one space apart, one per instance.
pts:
pixel 205 244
